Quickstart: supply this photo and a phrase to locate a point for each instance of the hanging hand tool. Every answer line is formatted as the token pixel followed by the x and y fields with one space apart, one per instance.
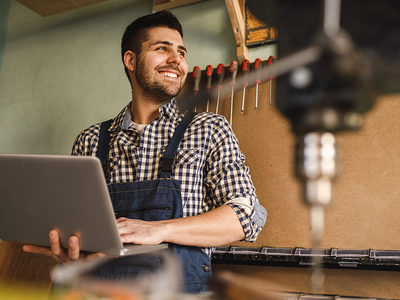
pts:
pixel 209 70
pixel 257 64
pixel 196 79
pixel 196 75
pixel 245 84
pixel 220 78
pixel 271 59
pixel 233 70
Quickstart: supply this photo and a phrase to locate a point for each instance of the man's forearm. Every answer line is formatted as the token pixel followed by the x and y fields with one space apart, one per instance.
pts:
pixel 217 227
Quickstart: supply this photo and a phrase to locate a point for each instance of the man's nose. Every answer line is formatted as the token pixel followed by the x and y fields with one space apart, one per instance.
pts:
pixel 174 58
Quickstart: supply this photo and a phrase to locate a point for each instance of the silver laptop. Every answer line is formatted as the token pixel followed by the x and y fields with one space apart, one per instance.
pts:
pixel 69 193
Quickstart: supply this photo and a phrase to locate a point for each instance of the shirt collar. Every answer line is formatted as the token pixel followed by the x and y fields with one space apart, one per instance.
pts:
pixel 169 110
pixel 124 119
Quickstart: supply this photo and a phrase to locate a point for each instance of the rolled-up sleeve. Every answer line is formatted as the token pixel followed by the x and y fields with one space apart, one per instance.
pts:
pixel 228 181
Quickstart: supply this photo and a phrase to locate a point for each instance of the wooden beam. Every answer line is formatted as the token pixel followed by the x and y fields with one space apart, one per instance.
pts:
pixel 238 26
pixel 53 7
pixel 168 4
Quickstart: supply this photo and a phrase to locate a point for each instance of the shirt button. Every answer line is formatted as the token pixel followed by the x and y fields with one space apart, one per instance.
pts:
pixel 206 268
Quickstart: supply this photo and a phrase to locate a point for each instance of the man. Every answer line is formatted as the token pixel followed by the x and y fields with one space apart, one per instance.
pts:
pixel 211 200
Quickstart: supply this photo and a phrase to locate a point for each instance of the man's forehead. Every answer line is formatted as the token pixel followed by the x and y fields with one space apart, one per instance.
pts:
pixel 163 34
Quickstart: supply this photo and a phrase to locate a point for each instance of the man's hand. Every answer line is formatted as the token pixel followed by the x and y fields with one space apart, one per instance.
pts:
pixel 57 252
pixel 140 232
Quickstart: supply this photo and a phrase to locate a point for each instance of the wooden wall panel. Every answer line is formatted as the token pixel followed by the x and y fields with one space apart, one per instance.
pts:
pixel 364 211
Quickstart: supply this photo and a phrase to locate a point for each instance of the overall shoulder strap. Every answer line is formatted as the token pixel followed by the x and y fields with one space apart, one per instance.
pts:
pixel 168 160
pixel 103 147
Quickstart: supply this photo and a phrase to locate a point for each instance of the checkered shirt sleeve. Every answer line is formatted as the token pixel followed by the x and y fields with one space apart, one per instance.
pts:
pixel 225 178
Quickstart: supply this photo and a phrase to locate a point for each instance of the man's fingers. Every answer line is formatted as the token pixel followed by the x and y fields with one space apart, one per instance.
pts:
pixel 55 250
pixel 37 250
pixel 55 242
pixel 95 255
pixel 43 251
pixel 122 221
pixel 73 248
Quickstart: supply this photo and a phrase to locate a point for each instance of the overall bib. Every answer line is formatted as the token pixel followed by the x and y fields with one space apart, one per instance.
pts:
pixel 154 200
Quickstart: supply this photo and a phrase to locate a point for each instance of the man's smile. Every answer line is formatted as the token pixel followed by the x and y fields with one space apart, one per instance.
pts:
pixel 168 74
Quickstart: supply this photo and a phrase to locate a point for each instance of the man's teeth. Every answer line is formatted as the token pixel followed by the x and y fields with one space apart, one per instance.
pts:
pixel 172 75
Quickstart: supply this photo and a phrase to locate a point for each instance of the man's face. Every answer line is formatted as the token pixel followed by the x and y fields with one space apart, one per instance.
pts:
pixel 161 66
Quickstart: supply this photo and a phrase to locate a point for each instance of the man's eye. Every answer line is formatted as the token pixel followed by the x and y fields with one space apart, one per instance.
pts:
pixel 162 48
pixel 182 53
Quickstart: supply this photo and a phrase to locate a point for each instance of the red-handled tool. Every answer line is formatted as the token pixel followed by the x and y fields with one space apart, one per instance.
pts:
pixel 271 59
pixel 209 70
pixel 257 65
pixel 245 68
pixel 220 78
pixel 233 71
pixel 196 75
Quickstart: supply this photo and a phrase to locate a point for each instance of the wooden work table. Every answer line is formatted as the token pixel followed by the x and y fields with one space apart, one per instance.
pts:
pixel 20 268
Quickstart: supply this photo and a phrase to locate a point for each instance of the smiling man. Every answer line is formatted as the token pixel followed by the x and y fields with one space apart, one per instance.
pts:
pixel 194 193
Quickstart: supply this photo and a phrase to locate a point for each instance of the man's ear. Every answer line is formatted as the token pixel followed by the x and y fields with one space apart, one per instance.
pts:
pixel 130 60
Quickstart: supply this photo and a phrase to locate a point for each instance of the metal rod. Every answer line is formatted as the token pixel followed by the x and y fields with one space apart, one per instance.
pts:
pixel 230 118
pixel 332 17
pixel 256 95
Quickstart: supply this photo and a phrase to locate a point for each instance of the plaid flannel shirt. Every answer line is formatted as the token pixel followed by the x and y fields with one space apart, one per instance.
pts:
pixel 209 164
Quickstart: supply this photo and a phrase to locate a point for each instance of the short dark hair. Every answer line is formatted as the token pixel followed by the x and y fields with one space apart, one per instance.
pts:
pixel 135 33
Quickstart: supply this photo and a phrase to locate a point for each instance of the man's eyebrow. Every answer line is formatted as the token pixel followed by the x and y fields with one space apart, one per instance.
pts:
pixel 169 44
pixel 182 48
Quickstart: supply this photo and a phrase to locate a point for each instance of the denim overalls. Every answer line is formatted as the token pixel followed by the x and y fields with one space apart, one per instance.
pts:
pixel 157 200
